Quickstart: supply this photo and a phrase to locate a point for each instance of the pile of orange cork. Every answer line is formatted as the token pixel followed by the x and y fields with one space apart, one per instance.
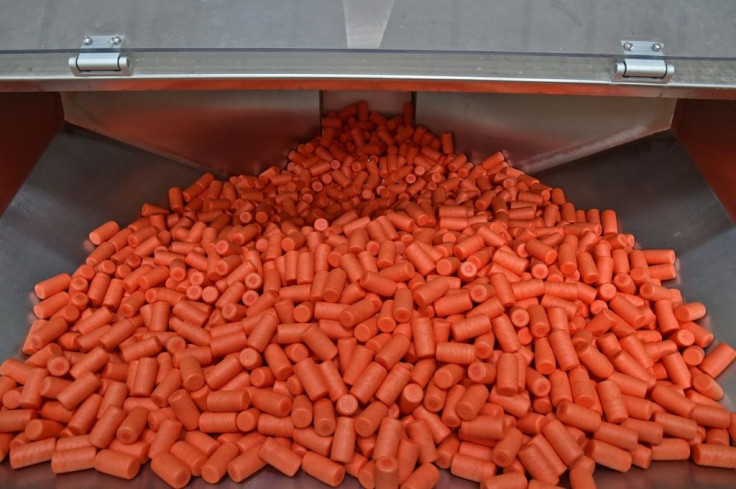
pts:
pixel 381 308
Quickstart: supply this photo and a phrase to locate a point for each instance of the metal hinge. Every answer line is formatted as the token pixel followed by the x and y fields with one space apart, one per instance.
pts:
pixel 643 61
pixel 101 56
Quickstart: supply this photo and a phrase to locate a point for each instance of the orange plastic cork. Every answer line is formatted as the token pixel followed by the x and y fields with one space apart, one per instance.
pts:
pixel 117 464
pixel 172 470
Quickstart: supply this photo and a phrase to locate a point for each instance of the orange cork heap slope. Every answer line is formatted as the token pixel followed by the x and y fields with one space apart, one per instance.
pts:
pixel 381 308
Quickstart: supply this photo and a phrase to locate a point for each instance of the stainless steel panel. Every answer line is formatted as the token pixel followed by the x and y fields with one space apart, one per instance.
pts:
pixel 687 29
pixel 468 45
pixel 538 132
pixel 185 24
pixel 365 22
pixel 367 70
pixel 234 132
pixel 561 26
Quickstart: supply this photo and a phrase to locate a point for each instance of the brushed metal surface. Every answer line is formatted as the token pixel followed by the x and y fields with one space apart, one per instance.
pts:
pixel 367 70
pixel 233 132
pixel 359 42
pixel 246 131
pixel 556 27
pixel 83 180
pixel 60 25
pixel 538 132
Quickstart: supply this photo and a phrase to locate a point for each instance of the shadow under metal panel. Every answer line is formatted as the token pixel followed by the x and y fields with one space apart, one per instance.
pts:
pixel 540 131
pixel 231 131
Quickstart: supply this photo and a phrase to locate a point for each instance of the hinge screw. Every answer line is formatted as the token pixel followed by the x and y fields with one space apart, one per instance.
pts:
pixel 657 46
pixel 86 40
pixel 628 46
pixel 115 40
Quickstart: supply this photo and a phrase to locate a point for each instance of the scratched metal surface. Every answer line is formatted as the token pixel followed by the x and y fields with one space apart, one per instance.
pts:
pixel 83 180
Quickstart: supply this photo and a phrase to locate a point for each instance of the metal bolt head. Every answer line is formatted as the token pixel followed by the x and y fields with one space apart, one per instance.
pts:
pixel 628 46
pixel 657 46
pixel 86 40
pixel 115 40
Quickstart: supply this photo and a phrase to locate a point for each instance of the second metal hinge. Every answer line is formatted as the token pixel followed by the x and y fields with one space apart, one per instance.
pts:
pixel 643 61
pixel 101 56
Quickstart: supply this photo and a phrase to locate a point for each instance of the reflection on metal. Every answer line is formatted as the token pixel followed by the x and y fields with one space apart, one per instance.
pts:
pixel 234 132
pixel 643 60
pixel 151 24
pixel 365 22
pixel 561 26
pixel 99 64
pixel 101 56
pixel 538 132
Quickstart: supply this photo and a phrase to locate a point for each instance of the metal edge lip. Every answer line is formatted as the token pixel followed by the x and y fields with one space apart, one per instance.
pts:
pixel 367 77
pixel 286 81
pixel 340 63
pixel 404 71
